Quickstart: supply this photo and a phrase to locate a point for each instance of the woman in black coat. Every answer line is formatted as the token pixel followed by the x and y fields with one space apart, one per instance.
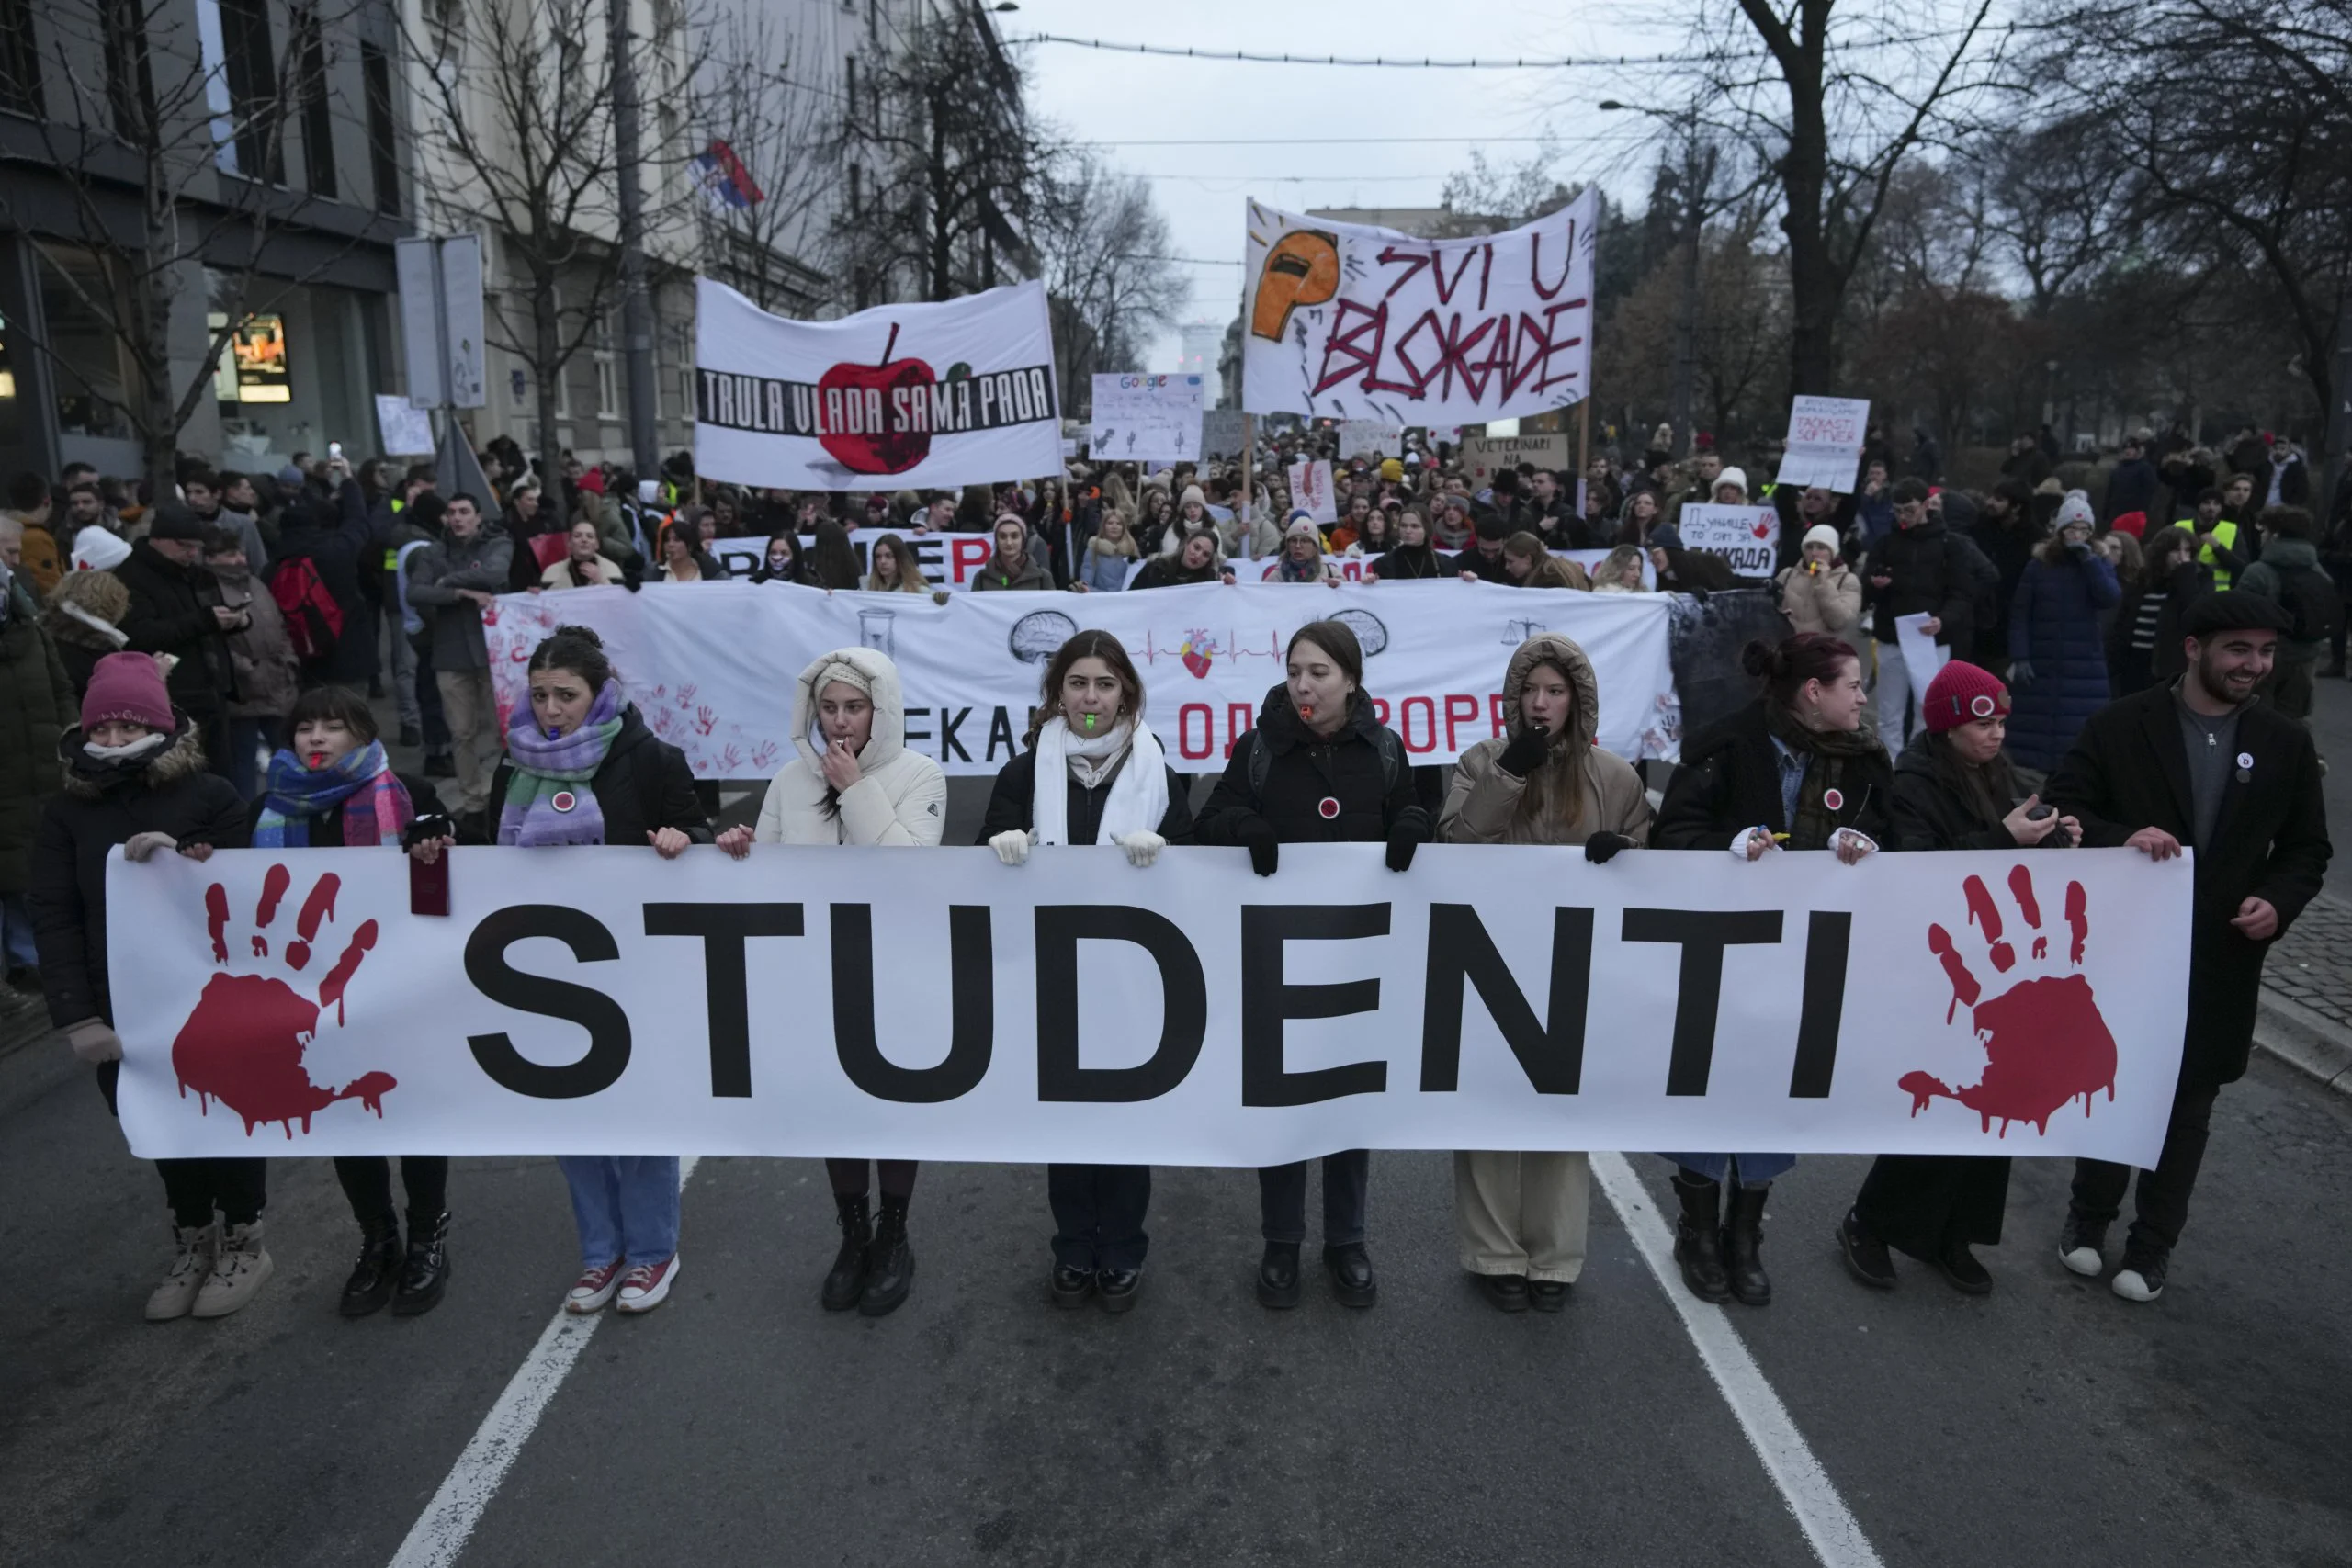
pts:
pixel 144 786
pixel 1114 787
pixel 1795 770
pixel 1953 790
pixel 1319 768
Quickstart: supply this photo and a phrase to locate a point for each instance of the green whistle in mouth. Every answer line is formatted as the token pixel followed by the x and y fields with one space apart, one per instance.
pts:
pixel 1090 720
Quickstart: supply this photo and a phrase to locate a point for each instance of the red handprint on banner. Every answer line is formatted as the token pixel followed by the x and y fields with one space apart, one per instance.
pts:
pixel 2045 1041
pixel 244 1042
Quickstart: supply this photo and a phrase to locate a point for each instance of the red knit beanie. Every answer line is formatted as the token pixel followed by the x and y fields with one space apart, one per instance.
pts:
pixel 127 685
pixel 1961 694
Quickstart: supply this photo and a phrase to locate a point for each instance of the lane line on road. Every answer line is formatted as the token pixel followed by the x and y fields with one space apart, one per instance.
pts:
pixel 1831 1530
pixel 441 1532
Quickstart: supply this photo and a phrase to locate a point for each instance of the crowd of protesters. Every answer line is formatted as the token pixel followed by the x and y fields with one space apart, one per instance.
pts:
pixel 194 671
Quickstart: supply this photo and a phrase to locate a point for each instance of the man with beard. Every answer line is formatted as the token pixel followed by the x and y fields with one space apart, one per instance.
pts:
pixel 2201 764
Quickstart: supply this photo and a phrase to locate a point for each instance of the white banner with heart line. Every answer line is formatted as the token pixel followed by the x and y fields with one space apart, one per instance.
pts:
pixel 1078 1008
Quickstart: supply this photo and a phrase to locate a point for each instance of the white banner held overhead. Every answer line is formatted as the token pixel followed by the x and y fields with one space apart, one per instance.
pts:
pixel 1310 487
pixel 1153 420
pixel 1371 437
pixel 1190 1013
pixel 1746 536
pixel 898 397
pixel 1825 448
pixel 712 664
pixel 1347 322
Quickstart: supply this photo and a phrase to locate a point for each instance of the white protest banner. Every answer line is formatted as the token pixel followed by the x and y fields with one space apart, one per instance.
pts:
pixel 898 397
pixel 1484 455
pixel 1746 536
pixel 1154 420
pixel 949 562
pixel 1371 437
pixel 1346 321
pixel 1191 1013
pixel 1922 654
pixel 711 665
pixel 1221 433
pixel 1310 487
pixel 1825 443
pixel 407 430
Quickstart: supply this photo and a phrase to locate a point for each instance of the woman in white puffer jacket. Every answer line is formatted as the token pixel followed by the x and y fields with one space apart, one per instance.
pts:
pixel 855 782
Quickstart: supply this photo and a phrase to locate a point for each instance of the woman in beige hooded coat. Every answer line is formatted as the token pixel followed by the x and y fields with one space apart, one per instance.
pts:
pixel 1521 1217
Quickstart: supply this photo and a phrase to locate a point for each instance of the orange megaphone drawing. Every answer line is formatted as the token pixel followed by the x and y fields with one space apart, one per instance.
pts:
pixel 1302 268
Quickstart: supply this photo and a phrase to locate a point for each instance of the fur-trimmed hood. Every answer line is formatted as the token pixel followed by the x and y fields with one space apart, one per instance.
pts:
pixel 182 758
pixel 1550 648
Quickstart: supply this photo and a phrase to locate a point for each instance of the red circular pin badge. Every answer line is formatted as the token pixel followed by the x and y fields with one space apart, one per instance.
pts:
pixel 1329 807
pixel 1834 799
pixel 1981 705
pixel 564 800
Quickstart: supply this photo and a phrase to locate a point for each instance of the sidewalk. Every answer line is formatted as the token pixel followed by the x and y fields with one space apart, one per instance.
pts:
pixel 2306 1017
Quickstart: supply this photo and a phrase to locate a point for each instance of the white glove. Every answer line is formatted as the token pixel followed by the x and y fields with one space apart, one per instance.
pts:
pixel 1742 847
pixel 93 1041
pixel 1852 845
pixel 138 846
pixel 1012 846
pixel 1142 847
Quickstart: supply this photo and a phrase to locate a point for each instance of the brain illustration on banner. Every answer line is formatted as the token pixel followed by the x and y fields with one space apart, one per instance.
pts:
pixel 1352 322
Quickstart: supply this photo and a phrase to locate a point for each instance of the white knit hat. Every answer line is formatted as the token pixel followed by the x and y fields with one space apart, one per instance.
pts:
pixel 1730 477
pixel 1821 534
pixel 2074 511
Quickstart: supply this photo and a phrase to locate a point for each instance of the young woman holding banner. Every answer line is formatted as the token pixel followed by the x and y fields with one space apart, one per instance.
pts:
pixel 581 767
pixel 1521 1217
pixel 1094 773
pixel 855 782
pixel 1794 770
pixel 1319 768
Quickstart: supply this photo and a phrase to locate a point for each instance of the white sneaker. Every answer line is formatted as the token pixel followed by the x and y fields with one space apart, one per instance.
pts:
pixel 593 1289
pixel 238 1271
pixel 193 1262
pixel 646 1285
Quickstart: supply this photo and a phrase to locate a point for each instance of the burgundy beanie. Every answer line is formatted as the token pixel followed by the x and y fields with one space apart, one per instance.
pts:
pixel 1961 693
pixel 127 685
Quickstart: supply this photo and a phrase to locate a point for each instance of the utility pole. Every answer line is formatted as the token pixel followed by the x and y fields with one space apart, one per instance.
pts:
pixel 1685 307
pixel 637 308
pixel 2339 421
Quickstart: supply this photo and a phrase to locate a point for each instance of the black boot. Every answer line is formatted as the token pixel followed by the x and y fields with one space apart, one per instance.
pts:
pixel 1278 1275
pixel 1351 1277
pixel 377 1274
pixel 848 1275
pixel 1866 1256
pixel 889 1262
pixel 1744 1247
pixel 1698 1240
pixel 427 1274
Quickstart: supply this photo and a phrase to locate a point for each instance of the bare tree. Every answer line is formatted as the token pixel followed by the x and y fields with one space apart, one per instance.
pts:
pixel 1104 251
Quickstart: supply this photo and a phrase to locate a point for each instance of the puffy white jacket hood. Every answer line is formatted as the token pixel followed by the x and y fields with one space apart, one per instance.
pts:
pixel 900 796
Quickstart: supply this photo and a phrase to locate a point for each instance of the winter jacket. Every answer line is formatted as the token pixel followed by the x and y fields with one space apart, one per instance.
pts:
pixel 1482 805
pixel 1104 571
pixel 1828 601
pixel 1408 561
pixel 559 574
pixel 332 531
pixel 1161 572
pixel 644 784
pixel 2008 543
pixel 171 612
pixel 2130 487
pixel 900 796
pixel 248 534
pixel 1259 535
pixel 326 828
pixel 269 676
pixel 1305 770
pixel 1931 574
pixel 435 575
pixel 2129 770
pixel 40 558
pixel 2054 625
pixel 80 825
pixel 37 705
pixel 1730 781
pixel 2271 576
pixel 81 622
pixel 1930 814
pixel 992 578
pixel 1012 804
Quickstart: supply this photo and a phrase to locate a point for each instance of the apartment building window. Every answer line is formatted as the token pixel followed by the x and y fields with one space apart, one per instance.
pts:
pixel 383 150
pixel 248 67
pixel 130 80
pixel 849 86
pixel 318 122
pixel 857 191
pixel 609 380
pixel 19 60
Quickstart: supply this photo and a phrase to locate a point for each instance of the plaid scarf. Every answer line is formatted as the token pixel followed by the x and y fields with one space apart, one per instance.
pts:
pixel 1826 753
pixel 375 804
pixel 547 799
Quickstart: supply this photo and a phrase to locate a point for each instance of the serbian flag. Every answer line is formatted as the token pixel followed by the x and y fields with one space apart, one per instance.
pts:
pixel 725 179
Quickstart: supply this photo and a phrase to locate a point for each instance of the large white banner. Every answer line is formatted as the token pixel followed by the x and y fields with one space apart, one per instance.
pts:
pixel 1080 1008
pixel 1151 420
pixel 900 397
pixel 712 665
pixel 1348 321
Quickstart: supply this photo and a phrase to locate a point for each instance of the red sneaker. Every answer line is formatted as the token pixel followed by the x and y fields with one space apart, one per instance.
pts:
pixel 646 1285
pixel 593 1289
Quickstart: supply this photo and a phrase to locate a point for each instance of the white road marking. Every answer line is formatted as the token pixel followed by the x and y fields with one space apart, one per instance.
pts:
pixel 441 1532
pixel 1830 1528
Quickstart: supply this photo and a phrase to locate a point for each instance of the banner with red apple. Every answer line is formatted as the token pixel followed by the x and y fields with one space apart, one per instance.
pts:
pixel 898 397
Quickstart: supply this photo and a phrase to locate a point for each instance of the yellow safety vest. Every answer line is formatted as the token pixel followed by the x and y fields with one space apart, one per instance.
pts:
pixel 2225 535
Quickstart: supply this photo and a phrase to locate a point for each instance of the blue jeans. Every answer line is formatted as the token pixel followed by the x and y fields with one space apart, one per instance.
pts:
pixel 1755 1171
pixel 626 1206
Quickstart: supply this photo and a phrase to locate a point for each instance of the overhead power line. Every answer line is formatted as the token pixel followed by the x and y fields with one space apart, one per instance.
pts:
pixel 1399 64
pixel 1317 140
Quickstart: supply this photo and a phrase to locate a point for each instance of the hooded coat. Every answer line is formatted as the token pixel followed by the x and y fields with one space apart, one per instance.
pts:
pixel 1827 601
pixel 2054 625
pixel 1482 806
pixel 37 705
pixel 900 796
pixel 85 623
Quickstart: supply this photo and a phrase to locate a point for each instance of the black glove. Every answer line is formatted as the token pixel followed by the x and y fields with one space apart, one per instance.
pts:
pixel 433 825
pixel 1601 848
pixel 1256 836
pixel 1525 753
pixel 1403 839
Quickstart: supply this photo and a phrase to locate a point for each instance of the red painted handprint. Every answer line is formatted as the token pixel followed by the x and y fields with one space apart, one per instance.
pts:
pixel 245 1044
pixel 2044 1040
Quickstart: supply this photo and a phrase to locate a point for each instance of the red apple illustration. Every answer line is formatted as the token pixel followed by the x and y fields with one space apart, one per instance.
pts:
pixel 874 451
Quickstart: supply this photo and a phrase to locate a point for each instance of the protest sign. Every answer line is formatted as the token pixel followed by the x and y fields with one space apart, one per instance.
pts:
pixel 898 397
pixel 1080 1009
pixel 1310 487
pixel 1482 455
pixel 1152 420
pixel 1221 433
pixel 1746 536
pixel 1371 437
pixel 407 430
pixel 1347 322
pixel 1825 443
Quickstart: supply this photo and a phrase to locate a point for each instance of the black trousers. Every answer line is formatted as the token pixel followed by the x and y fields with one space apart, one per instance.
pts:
pixel 1921 1204
pixel 2162 1203
pixel 1098 1214
pixel 368 1182
pixel 237 1188
pixel 1282 1198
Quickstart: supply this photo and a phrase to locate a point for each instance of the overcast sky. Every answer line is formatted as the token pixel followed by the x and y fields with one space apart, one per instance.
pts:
pixel 1123 99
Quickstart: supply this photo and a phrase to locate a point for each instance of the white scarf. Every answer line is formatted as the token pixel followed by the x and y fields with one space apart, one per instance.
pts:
pixel 1138 800
pixel 107 629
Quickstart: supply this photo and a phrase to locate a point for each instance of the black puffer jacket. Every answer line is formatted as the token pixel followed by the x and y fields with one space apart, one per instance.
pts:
pixel 36 707
pixel 1931 814
pixel 645 784
pixel 95 812
pixel 171 612
pixel 1303 772
pixel 1931 572
pixel 1730 781
pixel 331 530
pixel 1013 801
